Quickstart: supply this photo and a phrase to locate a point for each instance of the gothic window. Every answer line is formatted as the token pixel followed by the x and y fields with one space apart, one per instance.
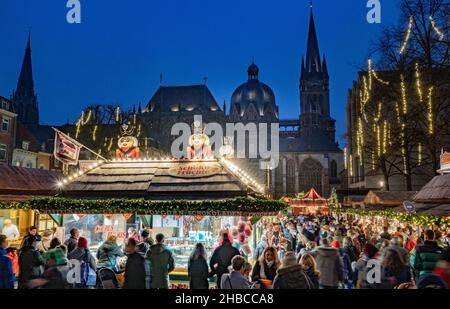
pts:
pixel 279 178
pixel 333 169
pixel 290 177
pixel 310 175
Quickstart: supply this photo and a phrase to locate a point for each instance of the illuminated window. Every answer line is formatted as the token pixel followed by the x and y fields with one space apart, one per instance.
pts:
pixel 3 149
pixel 5 124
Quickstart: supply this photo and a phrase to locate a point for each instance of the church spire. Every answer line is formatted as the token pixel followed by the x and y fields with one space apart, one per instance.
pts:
pixel 25 85
pixel 324 66
pixel 312 51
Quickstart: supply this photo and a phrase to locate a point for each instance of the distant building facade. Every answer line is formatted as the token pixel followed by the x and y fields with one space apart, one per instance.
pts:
pixel 8 122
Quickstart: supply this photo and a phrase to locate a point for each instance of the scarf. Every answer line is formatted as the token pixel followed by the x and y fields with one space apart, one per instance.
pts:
pixel 262 273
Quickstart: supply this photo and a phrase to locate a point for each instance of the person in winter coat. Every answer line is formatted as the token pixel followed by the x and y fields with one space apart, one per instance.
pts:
pixel 330 266
pixel 56 271
pixel 198 268
pixel 108 253
pixel 425 257
pixel 346 263
pixel 236 280
pixel 143 248
pixel 291 275
pixel 267 265
pixel 30 261
pixel 72 241
pixel 370 252
pixel 11 252
pixel 162 263
pixel 350 249
pixel 443 267
pixel 82 253
pixel 397 244
pixel 6 269
pixel 262 245
pixel 221 258
pixel 135 267
pixel 395 270
pixel 310 268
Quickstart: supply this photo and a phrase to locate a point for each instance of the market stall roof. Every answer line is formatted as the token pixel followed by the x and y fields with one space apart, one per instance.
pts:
pixel 434 197
pixel 312 195
pixel 158 180
pixel 18 183
pixel 387 198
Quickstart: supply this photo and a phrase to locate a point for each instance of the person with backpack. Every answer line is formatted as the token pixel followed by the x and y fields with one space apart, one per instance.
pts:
pixel 72 241
pixel 425 257
pixel 86 260
pixel 161 259
pixel 221 258
pixel 56 271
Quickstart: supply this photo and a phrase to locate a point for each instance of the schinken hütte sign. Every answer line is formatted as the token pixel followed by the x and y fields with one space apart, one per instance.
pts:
pixel 195 170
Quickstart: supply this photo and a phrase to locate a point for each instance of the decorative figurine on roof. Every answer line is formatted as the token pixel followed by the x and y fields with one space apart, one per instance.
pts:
pixel 128 144
pixel 198 144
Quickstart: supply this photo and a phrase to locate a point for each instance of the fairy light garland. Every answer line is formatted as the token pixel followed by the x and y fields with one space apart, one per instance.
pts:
pixel 430 111
pixel 436 29
pixel 408 35
pixel 419 153
pixel 418 83
pixel 404 98
pixel 94 133
pixel 385 134
pixel 242 175
pixel 350 164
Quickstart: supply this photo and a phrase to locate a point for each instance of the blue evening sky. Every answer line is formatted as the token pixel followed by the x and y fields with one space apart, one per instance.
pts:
pixel 117 53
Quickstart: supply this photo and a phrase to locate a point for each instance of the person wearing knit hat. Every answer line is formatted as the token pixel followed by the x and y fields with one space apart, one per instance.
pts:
pixel 336 244
pixel 82 253
pixel 291 275
pixel 82 242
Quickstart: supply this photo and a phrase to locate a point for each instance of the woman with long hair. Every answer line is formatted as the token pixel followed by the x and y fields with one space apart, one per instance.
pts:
pixel 309 266
pixel 395 270
pixel 266 267
pixel 198 268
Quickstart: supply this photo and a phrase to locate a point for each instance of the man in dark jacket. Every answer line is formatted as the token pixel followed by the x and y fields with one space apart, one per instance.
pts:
pixel 6 271
pixel 221 258
pixel 425 257
pixel 72 241
pixel 330 266
pixel 30 261
pixel 135 268
pixel 162 263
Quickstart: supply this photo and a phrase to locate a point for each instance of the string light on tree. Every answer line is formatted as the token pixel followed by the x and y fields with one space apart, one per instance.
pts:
pixel 407 36
pixel 404 98
pixel 430 111
pixel 418 83
pixel 436 29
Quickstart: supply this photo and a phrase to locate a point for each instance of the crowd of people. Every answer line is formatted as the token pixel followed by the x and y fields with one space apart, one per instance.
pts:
pixel 320 252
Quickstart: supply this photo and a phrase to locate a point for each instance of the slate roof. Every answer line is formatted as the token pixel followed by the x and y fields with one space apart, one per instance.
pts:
pixel 151 180
pixel 27 181
pixel 434 197
pixel 187 98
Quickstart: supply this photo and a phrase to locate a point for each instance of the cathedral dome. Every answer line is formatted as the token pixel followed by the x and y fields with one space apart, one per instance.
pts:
pixel 253 100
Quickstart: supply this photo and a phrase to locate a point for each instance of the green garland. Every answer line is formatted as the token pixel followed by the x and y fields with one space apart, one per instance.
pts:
pixel 236 206
pixel 421 220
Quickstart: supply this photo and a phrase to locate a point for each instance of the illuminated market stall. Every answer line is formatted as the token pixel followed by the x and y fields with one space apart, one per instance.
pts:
pixel 310 204
pixel 189 201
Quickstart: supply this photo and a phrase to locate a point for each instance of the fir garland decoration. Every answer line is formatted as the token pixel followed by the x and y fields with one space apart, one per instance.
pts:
pixel 228 207
pixel 415 219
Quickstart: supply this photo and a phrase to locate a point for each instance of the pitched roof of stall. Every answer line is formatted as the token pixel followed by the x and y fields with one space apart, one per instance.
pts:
pixel 152 180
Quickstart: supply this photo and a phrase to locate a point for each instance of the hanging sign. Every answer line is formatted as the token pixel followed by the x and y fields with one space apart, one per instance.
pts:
pixel 409 207
pixel 127 216
pixel 195 170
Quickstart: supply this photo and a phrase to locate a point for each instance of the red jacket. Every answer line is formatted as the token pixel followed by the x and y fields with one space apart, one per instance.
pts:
pixel 443 271
pixel 15 262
